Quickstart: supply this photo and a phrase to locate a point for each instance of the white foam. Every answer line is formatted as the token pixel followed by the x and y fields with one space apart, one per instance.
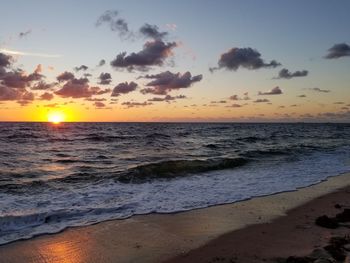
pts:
pixel 52 211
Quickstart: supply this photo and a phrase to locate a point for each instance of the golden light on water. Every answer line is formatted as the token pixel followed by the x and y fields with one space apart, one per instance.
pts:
pixel 56 117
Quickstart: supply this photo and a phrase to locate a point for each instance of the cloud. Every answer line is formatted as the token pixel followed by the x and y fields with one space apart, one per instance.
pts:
pixel 38 69
pixel 218 102
pixel 82 67
pixel 18 79
pixel 236 97
pixel 171 26
pixel 153 53
pixel 52 105
pixel 26 98
pixel 5 60
pixel 115 23
pixel 167 98
pixel 261 100
pixel 42 85
pixel 95 99
pixel 46 96
pixel 165 82
pixel 124 88
pixel 286 74
pixel 152 31
pixel 105 79
pixel 25 33
pixel 338 51
pixel 7 93
pixel 101 63
pixel 301 96
pixel 79 88
pixel 321 90
pixel 130 104
pixel 22 96
pixel 65 76
pixel 274 91
pixel 243 57
pixel 99 104
pixel 234 105
pixel 21 53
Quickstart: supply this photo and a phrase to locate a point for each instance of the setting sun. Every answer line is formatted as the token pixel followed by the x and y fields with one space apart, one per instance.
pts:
pixel 55 117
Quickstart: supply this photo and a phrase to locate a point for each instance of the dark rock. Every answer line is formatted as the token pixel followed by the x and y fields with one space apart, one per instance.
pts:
pixel 338 206
pixel 337 252
pixel 325 221
pixel 343 216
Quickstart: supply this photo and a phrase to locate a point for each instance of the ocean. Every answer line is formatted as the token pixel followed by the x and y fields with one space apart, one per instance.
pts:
pixel 73 174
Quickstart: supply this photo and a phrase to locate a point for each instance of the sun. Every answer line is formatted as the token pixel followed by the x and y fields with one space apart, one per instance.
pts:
pixel 55 117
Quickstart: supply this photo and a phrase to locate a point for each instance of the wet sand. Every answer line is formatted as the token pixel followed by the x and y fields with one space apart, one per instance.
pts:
pixel 227 233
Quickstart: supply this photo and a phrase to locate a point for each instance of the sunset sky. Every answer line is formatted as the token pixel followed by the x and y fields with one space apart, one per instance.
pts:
pixel 175 60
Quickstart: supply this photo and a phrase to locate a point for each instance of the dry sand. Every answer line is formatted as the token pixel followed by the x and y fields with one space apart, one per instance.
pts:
pixel 208 233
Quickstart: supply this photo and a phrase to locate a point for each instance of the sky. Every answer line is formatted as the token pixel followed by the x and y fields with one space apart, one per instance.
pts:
pixel 234 61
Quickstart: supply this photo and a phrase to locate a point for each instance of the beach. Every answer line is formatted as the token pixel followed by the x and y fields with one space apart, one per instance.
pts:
pixel 256 230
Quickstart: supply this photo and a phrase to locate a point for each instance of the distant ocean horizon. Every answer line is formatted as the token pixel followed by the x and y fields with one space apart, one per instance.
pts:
pixel 80 173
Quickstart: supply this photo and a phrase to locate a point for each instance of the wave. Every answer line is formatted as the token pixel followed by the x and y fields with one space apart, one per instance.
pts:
pixel 175 168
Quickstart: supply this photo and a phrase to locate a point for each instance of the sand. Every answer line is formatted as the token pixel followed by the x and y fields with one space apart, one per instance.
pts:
pixel 241 231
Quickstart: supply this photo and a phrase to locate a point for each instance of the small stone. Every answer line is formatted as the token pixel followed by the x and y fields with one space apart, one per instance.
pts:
pixel 326 222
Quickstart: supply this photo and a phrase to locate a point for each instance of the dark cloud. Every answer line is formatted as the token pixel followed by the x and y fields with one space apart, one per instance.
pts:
pixel 105 78
pixel 261 100
pixel 22 96
pixel 274 91
pixel 8 94
pixel 101 63
pixel 52 105
pixel 243 57
pixel 286 74
pixel 42 85
pixel 235 105
pixel 95 99
pixel 65 76
pixel 165 82
pixel 79 88
pixel 167 98
pixel 218 101
pixel 82 67
pixel 321 90
pixel 130 104
pixel 152 31
pixel 339 103
pixel 301 96
pixel 153 53
pixel 124 88
pixel 99 104
pixel 236 97
pixel 115 23
pixel 5 60
pixel 18 78
pixel 25 33
pixel 26 98
pixel 338 50
pixel 46 96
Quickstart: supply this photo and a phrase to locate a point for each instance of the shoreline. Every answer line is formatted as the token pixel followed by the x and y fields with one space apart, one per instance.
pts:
pixel 160 237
